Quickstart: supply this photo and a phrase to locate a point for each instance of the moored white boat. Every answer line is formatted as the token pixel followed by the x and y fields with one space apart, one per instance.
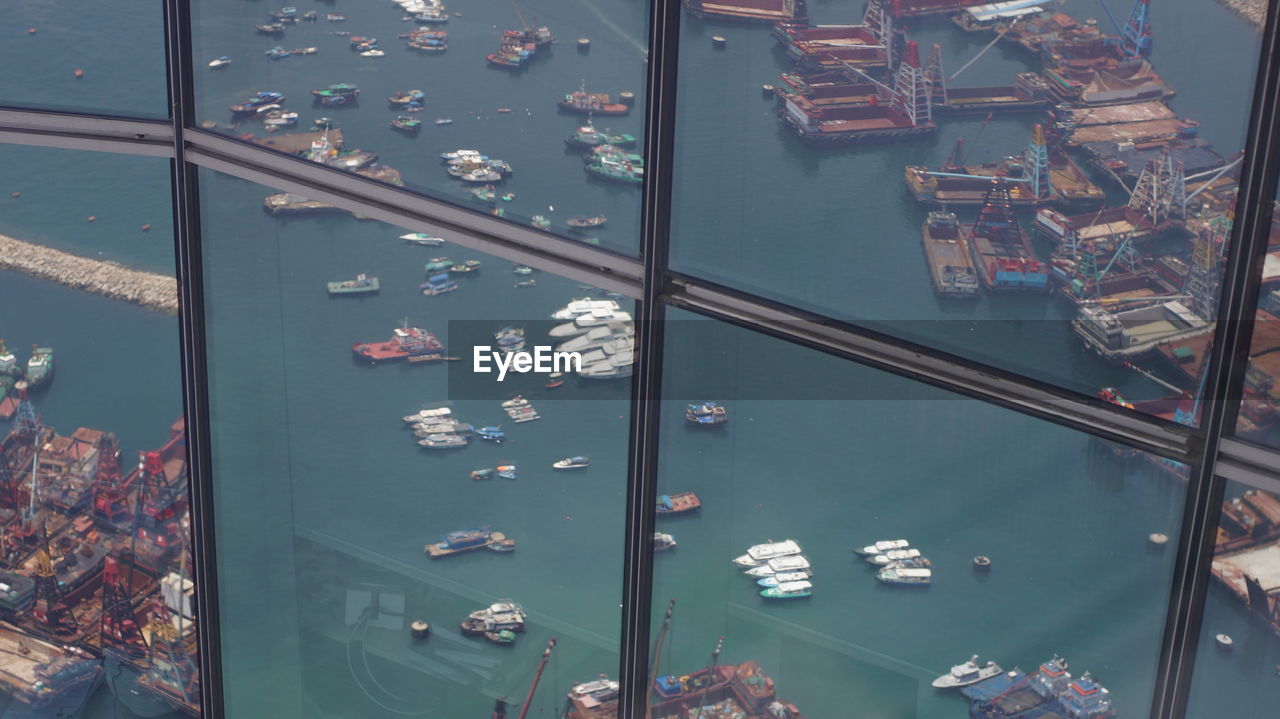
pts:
pixel 762 553
pixel 781 565
pixel 584 322
pixel 883 546
pixel 911 577
pixel 962 675
pixel 788 590
pixel 583 306
pixel 776 579
pixel 893 555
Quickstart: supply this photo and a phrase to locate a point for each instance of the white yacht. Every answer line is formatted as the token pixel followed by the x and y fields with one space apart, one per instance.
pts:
pixel 617 365
pixel 762 553
pixel 962 675
pixel 427 414
pixel 584 322
pixel 582 307
pixel 780 565
pixel 774 580
pixel 893 555
pixel 884 546
pixel 597 338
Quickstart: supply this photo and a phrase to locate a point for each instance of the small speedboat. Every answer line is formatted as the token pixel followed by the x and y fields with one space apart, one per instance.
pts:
pixel 663 541
pixel 525 284
pixel 444 121
pixel 777 579
pixel 372 53
pixel 493 434
pixel 522 270
pixel 419 238
pixel 507 471
pixel 220 62
pixel 572 463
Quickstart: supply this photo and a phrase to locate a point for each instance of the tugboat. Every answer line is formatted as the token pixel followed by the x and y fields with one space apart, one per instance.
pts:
pixel 361 285
pixel 585 221
pixel 407 125
pixel 406 343
pixel 40 367
pixel 572 463
pixel 706 414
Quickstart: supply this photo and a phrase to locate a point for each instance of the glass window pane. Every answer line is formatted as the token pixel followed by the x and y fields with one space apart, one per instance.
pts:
pixel 533 88
pixel 325 496
pixel 104 57
pixel 1239 650
pixel 1033 541
pixel 1259 418
pixel 807 170
pixel 96 600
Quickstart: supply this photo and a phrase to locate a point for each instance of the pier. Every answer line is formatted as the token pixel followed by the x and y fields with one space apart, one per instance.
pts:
pixel 108 279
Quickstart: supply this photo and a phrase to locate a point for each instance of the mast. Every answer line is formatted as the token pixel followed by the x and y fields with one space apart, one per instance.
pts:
pixel 715 660
pixel 662 637
pixel 546 654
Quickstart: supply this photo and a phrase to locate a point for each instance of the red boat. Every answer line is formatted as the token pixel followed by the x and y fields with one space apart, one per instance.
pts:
pixel 412 343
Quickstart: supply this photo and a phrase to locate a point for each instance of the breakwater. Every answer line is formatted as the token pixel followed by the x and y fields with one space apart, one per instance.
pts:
pixel 108 279
pixel 1254 11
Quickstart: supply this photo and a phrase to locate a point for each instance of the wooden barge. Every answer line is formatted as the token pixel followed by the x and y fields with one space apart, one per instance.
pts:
pixel 771 11
pixel 832 47
pixel 1028 93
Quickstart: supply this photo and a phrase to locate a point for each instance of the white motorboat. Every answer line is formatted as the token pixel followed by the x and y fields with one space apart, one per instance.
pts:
pixel 894 575
pixel 962 675
pixel 774 580
pixel 618 366
pixel 597 338
pixel 884 546
pixel 893 555
pixel 584 322
pixel 220 62
pixel 372 53
pixel 420 238
pixel 788 590
pixel 427 414
pixel 780 565
pixel 762 553
pixel 582 307
pixel 572 463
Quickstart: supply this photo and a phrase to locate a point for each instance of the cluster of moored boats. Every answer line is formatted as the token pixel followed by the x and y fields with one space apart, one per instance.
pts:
pixel 603 335
pixel 437 429
pixel 475 167
pixel 898 562
pixel 780 568
pixel 520 410
pixel 499 622
pixel 706 414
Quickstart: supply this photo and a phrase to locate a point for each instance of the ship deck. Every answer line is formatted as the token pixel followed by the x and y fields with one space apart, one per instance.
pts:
pixel 20 653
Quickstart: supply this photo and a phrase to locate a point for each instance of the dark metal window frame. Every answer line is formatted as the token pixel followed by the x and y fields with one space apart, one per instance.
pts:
pixel 1215 456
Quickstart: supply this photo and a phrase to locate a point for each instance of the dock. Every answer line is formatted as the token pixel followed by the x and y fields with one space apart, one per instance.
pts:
pixel 496 539
pixel 108 279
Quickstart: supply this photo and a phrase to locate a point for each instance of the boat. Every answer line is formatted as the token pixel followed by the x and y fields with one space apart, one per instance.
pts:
pixel 776 579
pixel 375 52
pixel 540 222
pixel 437 264
pixel 883 546
pixel 499 616
pixel 465 267
pixel 46 679
pixel 504 637
pixel 277 53
pixel 706 414
pixel 277 119
pixel 522 270
pixel 572 463
pixel 614 170
pixel 406 343
pixel 788 590
pixel 1001 251
pixel 335 17
pixel 465 540
pixel 400 98
pixel 588 137
pixel 270 28
pixel 260 100
pixel 484 193
pixel 947 252
pixel 420 238
pixel 678 503
pixel 586 221
pixel 40 367
pixel 361 285
pixel 962 675
pixel 427 414
pixel 907 577
pixel 441 425
pixel 432 15
pixel 592 103
pixel 617 365
pixel 479 474
pixel 517 401
pixel 909 563
pixel 554 380
pixel 762 553
pixel 586 322
pixel 663 541
pixel 323 123
pixel 406 124
pixel 510 339
pixel 893 555
pixel 443 441
pixel 507 471
pixel 438 285
pixel 219 62
pixel 779 565
pixel 582 307
pixel 508 196
pixel 492 434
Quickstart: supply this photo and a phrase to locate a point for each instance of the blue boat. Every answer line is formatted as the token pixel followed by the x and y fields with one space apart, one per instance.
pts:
pixel 508 471
pixel 438 285
pixel 493 434
pixel 464 538
pixel 706 414
pixel 277 53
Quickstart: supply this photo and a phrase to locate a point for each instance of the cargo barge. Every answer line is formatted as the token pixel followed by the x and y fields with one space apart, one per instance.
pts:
pixel 1246 552
pixel 827 89
pixel 1028 93
pixel 1124 160
pixel 831 47
pixel 771 11
pixel 467 540
pixel 1129 334
pixel 1000 249
pixel 1049 692
pixel 1130 81
pixel 899 9
pixel 950 266
pixel 1109 225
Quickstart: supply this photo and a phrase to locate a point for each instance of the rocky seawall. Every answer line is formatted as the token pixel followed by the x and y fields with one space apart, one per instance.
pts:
pixel 1254 11
pixel 108 279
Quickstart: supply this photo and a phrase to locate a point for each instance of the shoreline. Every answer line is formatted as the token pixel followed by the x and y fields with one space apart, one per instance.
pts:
pixel 100 277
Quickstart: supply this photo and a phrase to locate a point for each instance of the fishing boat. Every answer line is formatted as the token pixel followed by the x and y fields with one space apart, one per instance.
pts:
pixel 962 675
pixel 762 553
pixel 893 555
pixel 525 284
pixel 572 463
pixel 776 579
pixel 443 441
pixel 270 28
pixel 905 577
pixel 883 546
pixel 517 401
pixel 262 99
pixel 361 285
pixel 406 124
pixel 706 414
pixel 40 367
pixel 678 503
pixel 588 137
pixel 406 343
pixel 507 471
pixel 336 95
pixel 503 637
pixel 517 47
pixel 592 103
pixel 420 238
pixel 608 168
pixel 437 264
pixel 400 98
pixel 438 285
pixel 663 541
pixel 219 62
pixel 466 540
pixel 466 267
pixel 788 590
pixel 508 197
pixel 584 221
pixel 499 616
pixel 492 434
pixel 780 565
pixel 277 120
pixel 480 474
pixel 460 155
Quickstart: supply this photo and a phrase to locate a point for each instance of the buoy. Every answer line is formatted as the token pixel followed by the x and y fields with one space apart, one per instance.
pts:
pixel 145 228
pixel 419 629
pixel 627 98
pixel 1158 539
pixel 981 562
pixel 1224 642
pixel 584 44
pixel 767 90
pixel 91 218
pixel 718 42
pixel 78 73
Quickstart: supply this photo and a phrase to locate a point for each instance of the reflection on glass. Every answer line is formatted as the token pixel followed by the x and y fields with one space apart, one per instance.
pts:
pixel 1259 418
pixel 1016 185
pixel 69 56
pixel 400 532
pixel 96 599
pixel 1239 650
pixel 853 544
pixel 528 111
